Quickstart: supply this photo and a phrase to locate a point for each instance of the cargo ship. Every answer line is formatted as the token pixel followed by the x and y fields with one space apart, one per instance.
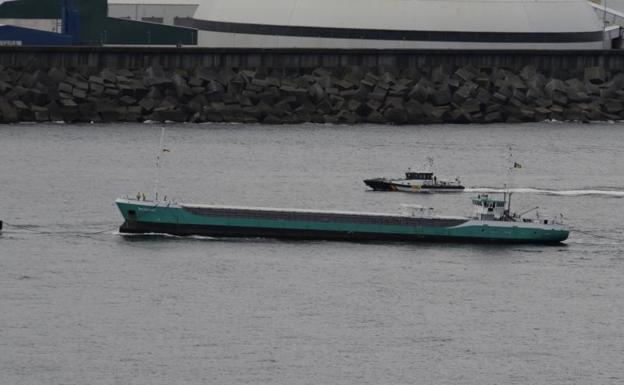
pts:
pixel 404 24
pixel 419 182
pixel 492 223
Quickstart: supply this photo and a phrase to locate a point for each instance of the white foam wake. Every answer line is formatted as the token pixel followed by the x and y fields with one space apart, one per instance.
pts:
pixel 612 193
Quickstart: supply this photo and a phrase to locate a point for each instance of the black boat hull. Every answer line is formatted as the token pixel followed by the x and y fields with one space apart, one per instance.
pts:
pixel 381 184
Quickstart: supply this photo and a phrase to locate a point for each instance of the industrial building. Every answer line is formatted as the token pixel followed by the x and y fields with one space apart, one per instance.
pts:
pixel 91 24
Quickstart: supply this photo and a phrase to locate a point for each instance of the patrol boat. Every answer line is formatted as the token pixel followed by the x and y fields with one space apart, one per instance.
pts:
pixel 492 223
pixel 419 182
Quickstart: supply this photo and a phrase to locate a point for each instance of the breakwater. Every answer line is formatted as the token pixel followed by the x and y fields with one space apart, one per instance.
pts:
pixel 290 86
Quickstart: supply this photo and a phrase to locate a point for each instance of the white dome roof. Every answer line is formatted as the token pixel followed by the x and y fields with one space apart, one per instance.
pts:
pixel 521 16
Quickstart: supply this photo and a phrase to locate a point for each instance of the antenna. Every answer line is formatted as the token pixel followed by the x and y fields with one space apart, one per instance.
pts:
pixel 604 14
pixel 161 150
pixel 511 165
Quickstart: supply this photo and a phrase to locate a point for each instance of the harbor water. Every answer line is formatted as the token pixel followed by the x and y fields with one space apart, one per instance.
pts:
pixel 81 304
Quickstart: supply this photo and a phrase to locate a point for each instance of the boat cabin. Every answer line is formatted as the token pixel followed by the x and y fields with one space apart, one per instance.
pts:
pixel 487 208
pixel 419 175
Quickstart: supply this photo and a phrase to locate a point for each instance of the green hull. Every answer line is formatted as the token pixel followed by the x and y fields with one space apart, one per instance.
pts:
pixel 148 217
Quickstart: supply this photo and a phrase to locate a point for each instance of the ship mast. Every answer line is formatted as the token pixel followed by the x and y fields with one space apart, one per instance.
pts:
pixel 161 150
pixel 512 165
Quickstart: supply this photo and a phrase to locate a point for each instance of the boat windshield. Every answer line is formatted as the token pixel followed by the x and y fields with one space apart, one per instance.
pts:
pixel 485 201
pixel 419 175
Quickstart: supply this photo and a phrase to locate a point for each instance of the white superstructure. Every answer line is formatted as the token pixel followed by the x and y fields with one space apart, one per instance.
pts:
pixel 398 24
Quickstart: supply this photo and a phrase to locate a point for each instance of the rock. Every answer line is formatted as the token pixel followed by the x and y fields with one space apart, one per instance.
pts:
pixel 356 106
pixel 369 80
pixel 68 103
pixel 4 87
pixel 441 97
pixel 65 88
pixel 109 76
pixel 466 73
pixel 471 106
pixel 374 105
pixel 341 95
pixel 540 114
pixel 554 85
pixel 394 101
pixel 440 75
pixel 173 115
pixel 316 92
pixel 528 72
pixel 344 84
pixel 574 113
pixel 464 92
pixel 483 81
pixel 379 94
pixel 533 95
pixel 595 75
pixel 112 92
pixel 96 89
pixel 182 88
pixel 559 98
pixel 421 91
pixel 96 80
pixel 613 106
pixel 414 112
pixel 375 118
pixel 57 75
pixel 37 97
pixel 483 96
pixel 127 100
pixel 493 117
pixel 395 115
pixel 41 114
pixel 500 97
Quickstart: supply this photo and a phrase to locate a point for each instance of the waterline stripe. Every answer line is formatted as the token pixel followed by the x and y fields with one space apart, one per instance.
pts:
pixel 389 34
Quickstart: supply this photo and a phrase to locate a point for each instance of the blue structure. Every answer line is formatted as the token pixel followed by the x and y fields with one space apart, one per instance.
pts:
pixel 12 35
pixel 87 23
pixel 70 16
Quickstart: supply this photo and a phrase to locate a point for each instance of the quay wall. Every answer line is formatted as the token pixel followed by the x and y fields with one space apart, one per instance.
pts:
pixel 110 84
pixel 564 63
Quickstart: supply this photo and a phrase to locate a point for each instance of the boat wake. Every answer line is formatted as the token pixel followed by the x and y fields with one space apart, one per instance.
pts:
pixel 162 235
pixel 60 229
pixel 608 193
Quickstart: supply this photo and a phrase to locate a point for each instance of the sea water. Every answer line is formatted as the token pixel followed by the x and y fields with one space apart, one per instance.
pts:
pixel 81 304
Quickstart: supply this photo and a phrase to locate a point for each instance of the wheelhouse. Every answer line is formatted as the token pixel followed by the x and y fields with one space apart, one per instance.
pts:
pixel 419 175
pixel 487 208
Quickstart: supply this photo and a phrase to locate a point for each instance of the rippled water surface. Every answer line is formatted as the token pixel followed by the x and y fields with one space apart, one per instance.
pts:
pixel 80 304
